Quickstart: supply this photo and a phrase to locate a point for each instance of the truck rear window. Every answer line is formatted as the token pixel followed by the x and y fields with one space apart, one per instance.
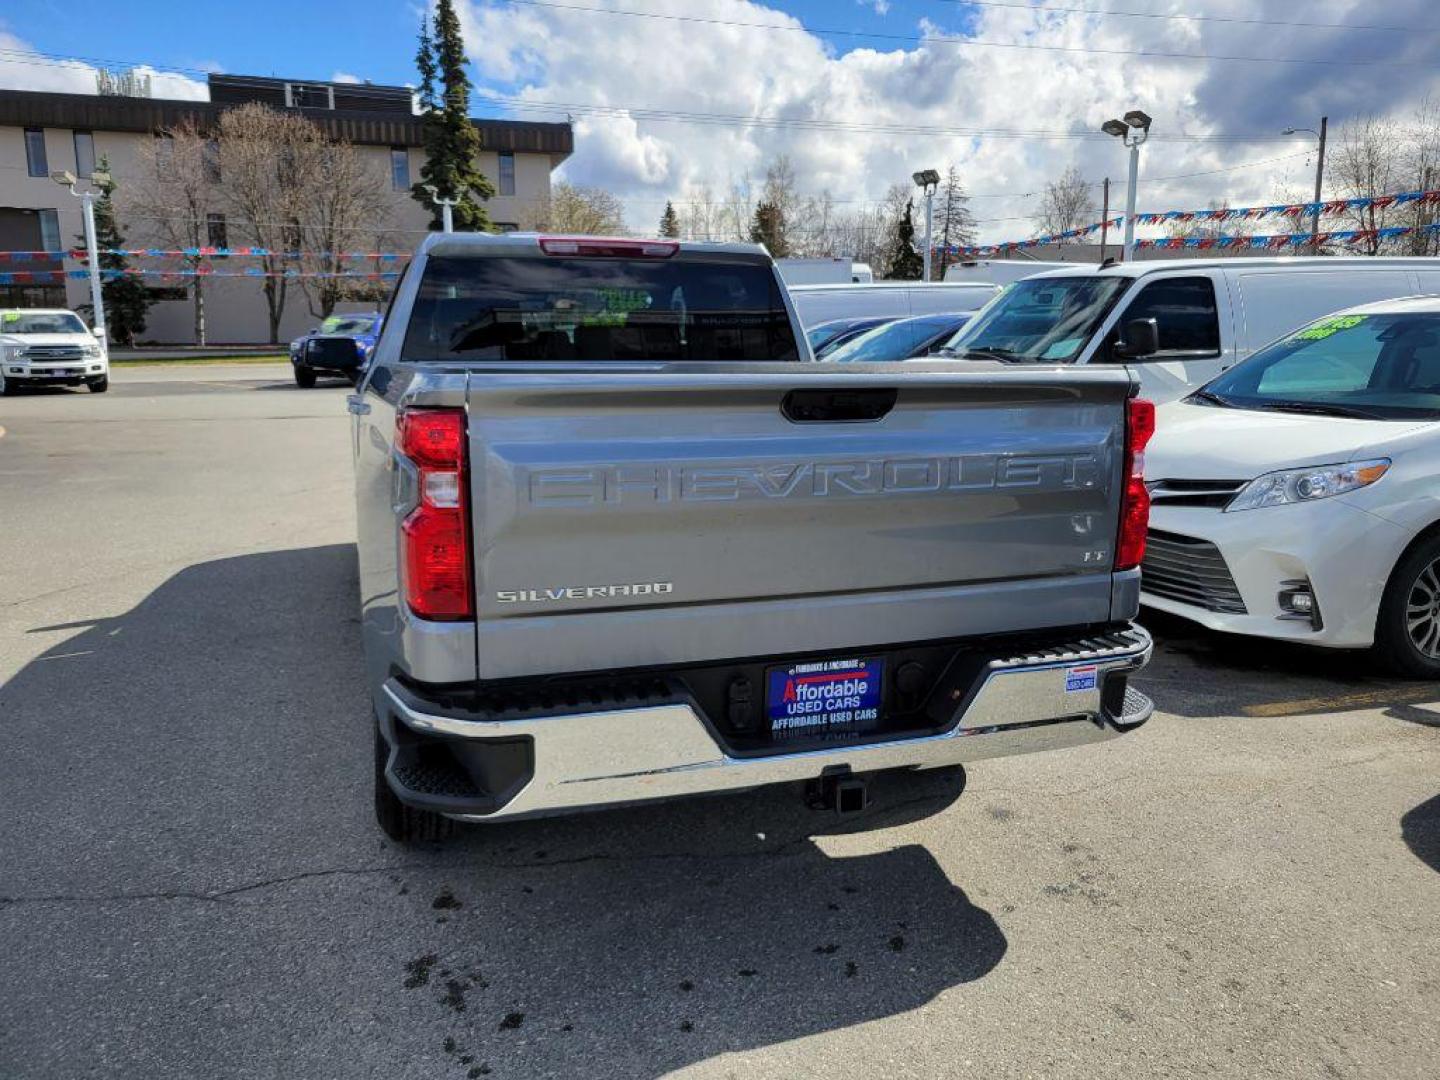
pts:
pixel 586 309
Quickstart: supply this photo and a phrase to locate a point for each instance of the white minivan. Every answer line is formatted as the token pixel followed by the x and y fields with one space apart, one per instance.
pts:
pixel 815 304
pixel 1209 313
pixel 50 347
pixel 1295 495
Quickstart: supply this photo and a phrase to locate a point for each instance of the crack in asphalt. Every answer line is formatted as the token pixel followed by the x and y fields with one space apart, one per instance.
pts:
pixel 231 895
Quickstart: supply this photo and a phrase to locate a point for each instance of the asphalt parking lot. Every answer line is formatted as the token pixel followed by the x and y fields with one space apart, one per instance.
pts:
pixel 191 882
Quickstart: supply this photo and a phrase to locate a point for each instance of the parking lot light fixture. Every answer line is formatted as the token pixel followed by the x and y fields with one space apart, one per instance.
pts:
pixel 928 180
pixel 1132 132
pixel 68 180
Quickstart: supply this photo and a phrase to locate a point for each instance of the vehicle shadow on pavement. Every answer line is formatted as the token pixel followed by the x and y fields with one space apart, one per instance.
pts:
pixel 1421 829
pixel 199 767
pixel 1200 673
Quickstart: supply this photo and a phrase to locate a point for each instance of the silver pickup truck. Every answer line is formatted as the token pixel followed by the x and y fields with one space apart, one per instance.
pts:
pixel 621 539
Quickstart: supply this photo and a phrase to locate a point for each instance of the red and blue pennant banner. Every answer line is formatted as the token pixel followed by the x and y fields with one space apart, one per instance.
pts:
pixel 56 277
pixel 1291 210
pixel 984 250
pixel 78 254
pixel 1285 240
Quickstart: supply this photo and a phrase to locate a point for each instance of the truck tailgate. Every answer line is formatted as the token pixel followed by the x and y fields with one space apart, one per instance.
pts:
pixel 624 519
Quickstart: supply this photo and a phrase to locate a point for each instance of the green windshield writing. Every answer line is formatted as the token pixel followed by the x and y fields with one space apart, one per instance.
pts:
pixel 1326 327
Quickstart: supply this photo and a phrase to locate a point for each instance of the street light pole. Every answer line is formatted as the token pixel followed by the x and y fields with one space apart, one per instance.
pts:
pixel 447 216
pixel 68 180
pixel 928 180
pixel 1132 131
pixel 1319 178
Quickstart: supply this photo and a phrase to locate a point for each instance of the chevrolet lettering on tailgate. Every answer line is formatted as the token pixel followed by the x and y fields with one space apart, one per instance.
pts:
pixel 724 482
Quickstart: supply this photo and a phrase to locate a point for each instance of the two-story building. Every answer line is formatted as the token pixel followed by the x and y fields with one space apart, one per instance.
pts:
pixel 44 133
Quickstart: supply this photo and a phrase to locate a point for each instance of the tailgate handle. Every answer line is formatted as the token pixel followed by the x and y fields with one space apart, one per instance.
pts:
pixel 820 406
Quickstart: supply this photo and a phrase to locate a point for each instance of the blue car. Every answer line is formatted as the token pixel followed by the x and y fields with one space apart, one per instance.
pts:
pixel 826 337
pixel 341 345
pixel 903 339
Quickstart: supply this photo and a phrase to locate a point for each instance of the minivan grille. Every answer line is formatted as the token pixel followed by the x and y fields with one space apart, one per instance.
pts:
pixel 1189 570
pixel 1211 493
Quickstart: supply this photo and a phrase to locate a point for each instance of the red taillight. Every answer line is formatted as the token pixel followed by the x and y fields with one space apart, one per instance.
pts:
pixel 608 247
pixel 1135 501
pixel 435 548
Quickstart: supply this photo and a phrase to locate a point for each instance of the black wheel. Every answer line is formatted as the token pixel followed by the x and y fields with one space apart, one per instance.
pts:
pixel 100 385
pixel 304 376
pixel 401 823
pixel 1407 634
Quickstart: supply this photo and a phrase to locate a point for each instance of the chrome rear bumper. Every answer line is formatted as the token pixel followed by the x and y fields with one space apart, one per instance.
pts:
pixel 1044 701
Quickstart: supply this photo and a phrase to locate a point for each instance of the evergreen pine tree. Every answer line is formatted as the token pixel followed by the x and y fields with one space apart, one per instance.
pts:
pixel 768 228
pixel 125 298
pixel 670 222
pixel 902 261
pixel 425 65
pixel 452 142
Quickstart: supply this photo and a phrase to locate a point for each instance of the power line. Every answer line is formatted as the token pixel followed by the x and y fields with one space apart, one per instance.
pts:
pixel 967 42
pixel 1179 17
pixel 662 114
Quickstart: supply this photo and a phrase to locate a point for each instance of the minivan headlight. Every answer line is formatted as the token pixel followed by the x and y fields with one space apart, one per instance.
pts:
pixel 1307 485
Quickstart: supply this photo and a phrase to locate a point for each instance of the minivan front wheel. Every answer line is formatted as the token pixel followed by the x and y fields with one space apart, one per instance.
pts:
pixel 1407 635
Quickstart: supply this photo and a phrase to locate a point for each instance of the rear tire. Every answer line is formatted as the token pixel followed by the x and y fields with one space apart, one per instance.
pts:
pixel 100 385
pixel 401 823
pixel 304 376
pixel 1407 632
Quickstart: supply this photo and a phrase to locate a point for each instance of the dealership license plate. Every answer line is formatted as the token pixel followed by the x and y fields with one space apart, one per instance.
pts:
pixel 822 695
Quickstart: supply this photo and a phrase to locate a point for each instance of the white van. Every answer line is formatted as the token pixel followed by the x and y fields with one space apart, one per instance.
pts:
pixel 50 347
pixel 816 304
pixel 1003 271
pixel 1209 313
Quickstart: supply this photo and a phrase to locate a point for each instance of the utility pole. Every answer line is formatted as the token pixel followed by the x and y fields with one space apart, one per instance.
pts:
pixel 928 181
pixel 1105 219
pixel 68 180
pixel 1319 177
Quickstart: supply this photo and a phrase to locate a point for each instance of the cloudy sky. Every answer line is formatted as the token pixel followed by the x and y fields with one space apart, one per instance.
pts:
pixel 859 93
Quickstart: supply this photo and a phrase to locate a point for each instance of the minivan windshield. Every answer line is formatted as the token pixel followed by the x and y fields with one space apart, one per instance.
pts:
pixel 1370 367
pixel 40 322
pixel 1039 319
pixel 588 309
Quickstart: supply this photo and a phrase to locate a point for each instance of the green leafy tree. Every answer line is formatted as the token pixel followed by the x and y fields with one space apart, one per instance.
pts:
pixel 768 228
pixel 902 261
pixel 670 222
pixel 451 140
pixel 125 298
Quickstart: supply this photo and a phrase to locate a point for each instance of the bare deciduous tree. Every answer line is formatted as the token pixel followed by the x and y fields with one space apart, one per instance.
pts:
pixel 173 196
pixel 1066 204
pixel 345 205
pixel 1367 162
pixel 585 211
pixel 270 163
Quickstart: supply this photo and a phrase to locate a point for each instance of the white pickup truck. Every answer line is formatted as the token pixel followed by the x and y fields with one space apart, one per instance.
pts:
pixel 50 347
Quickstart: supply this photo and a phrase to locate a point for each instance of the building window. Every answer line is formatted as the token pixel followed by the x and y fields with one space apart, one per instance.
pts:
pixel 309 96
pixel 49 230
pixel 399 168
pixel 507 173
pixel 164 151
pixel 212 161
pixel 215 230
pixel 35 152
pixel 84 153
